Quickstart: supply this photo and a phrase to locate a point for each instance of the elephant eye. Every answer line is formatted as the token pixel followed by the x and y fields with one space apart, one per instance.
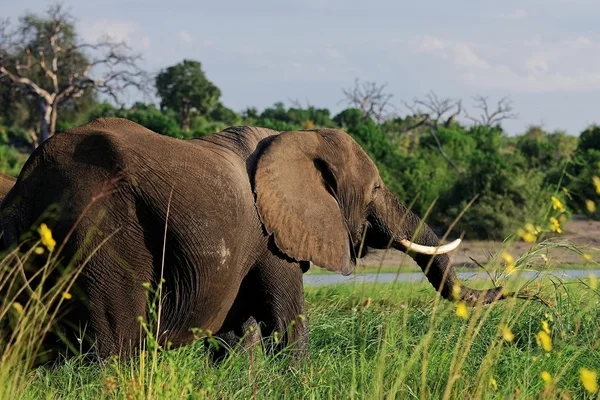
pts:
pixel 375 190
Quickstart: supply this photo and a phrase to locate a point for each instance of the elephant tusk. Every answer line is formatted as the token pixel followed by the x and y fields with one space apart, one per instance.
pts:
pixel 430 250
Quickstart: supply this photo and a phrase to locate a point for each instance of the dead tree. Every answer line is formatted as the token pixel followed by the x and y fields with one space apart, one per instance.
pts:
pixel 433 112
pixel 370 98
pixel 488 117
pixel 46 61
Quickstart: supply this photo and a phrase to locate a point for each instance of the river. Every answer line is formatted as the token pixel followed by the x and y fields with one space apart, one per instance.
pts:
pixel 329 279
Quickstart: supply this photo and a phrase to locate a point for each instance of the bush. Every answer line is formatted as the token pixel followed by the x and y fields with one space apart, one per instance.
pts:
pixel 146 115
pixel 11 161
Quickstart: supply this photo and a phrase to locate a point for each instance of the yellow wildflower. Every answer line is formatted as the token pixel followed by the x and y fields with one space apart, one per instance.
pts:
pixel 590 205
pixel 507 334
pixel 39 250
pixel 593 281
pixel 597 184
pixel 543 339
pixel 493 384
pixel 589 379
pixel 18 307
pixel 526 236
pixel 462 311
pixel 586 256
pixel 546 377
pixel 545 327
pixel 532 229
pixel 510 262
pixel 67 295
pixel 555 225
pixel 46 235
pixel 557 205
pixel 456 292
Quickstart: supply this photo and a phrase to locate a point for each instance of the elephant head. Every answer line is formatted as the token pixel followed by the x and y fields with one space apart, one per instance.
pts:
pixel 317 191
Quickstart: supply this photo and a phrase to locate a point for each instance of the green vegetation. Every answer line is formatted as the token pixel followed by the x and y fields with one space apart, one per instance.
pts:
pixel 511 177
pixel 366 341
pixel 184 87
pixel 371 341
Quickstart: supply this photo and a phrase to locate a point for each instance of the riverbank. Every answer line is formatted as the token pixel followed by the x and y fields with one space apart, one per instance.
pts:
pixel 578 236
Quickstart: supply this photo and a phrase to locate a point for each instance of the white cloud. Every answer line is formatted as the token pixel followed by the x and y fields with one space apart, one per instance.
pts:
pixel 117 30
pixel 517 13
pixel 460 53
pixel 333 52
pixel 126 31
pixel 145 42
pixel 185 37
pixel 538 66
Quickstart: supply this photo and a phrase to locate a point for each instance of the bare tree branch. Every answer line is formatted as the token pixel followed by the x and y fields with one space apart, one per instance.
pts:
pixel 488 117
pixel 28 83
pixel 434 112
pixel 66 62
pixel 370 98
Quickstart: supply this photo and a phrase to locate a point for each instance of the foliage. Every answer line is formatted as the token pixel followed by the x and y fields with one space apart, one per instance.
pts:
pixel 146 115
pixel 185 88
pixel 511 178
pixel 10 160
pixel 47 66
pixel 581 173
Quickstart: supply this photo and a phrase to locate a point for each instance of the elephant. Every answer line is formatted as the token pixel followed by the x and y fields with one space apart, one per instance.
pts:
pixel 6 183
pixel 226 224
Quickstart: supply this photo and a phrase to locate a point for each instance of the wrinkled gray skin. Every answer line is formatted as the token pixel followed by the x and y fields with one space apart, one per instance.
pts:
pixel 6 183
pixel 250 208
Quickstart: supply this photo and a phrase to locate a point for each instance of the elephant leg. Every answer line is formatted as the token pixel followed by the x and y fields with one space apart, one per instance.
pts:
pixel 279 308
pixel 246 336
pixel 239 327
pixel 270 301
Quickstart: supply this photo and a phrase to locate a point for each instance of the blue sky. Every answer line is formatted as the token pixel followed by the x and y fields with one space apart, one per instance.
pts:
pixel 543 54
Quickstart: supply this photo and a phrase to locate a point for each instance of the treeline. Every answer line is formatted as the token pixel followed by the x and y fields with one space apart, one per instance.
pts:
pixel 442 167
pixel 510 178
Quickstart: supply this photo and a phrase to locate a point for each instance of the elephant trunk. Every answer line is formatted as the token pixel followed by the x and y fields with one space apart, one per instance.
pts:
pixel 406 232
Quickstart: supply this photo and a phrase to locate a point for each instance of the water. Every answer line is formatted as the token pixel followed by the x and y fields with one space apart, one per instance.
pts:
pixel 330 279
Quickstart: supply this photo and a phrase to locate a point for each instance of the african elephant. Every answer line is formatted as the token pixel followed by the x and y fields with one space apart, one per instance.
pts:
pixel 240 214
pixel 6 183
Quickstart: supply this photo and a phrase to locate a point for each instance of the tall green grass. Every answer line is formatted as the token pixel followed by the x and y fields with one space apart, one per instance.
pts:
pixel 366 341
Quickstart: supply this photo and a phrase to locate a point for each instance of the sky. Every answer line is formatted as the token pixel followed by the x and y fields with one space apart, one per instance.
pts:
pixel 544 55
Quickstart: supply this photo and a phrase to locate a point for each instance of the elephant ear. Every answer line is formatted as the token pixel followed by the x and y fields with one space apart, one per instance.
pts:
pixel 294 197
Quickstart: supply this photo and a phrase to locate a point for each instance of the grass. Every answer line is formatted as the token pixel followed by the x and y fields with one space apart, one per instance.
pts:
pixel 372 341
pixel 404 269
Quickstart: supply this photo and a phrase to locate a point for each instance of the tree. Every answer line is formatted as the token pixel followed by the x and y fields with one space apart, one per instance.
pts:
pixel 146 115
pixel 45 60
pixel 184 88
pixel 434 113
pixel 489 117
pixel 370 98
